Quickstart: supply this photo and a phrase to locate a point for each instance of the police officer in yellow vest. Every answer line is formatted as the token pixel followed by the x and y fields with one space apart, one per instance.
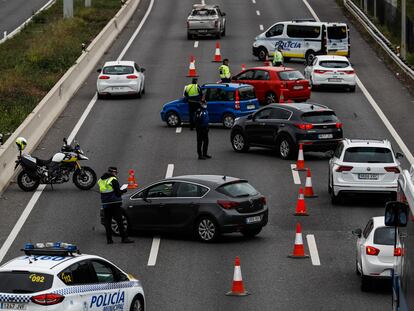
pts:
pixel 192 92
pixel 111 198
pixel 278 56
pixel 224 71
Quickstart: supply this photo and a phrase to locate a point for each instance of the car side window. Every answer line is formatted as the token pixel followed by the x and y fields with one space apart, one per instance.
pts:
pixel 276 30
pixel 368 229
pixel 163 190
pixel 248 75
pixel 339 150
pixel 280 114
pixel 104 272
pixel 216 94
pixel 261 75
pixel 78 273
pixel 189 190
pixel 263 114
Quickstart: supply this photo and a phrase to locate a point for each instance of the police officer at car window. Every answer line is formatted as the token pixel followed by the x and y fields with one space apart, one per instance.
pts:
pixel 201 121
pixel 192 92
pixel 111 198
pixel 224 71
pixel 278 56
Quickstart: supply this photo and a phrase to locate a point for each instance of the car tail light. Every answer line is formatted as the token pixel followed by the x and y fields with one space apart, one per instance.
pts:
pixel 398 251
pixel 228 204
pixel 318 71
pixel 47 299
pixel 132 77
pixel 263 200
pixel 349 72
pixel 104 77
pixel 371 250
pixel 344 168
pixel 304 126
pixel 338 125
pixel 392 169
pixel 237 102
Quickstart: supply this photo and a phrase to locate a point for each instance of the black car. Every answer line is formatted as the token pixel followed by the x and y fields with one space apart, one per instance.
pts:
pixel 284 126
pixel 206 205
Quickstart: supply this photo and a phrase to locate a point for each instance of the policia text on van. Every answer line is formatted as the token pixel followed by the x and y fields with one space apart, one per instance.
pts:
pixel 303 39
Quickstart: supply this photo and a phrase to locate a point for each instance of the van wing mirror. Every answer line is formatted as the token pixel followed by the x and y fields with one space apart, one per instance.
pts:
pixel 396 214
pixel 399 155
pixel 142 70
pixel 357 232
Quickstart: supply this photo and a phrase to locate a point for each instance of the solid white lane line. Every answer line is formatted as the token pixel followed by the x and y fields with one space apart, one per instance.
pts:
pixel 295 174
pixel 152 260
pixel 261 27
pixel 178 129
pixel 408 155
pixel 195 44
pixel 258 12
pixel 35 197
pixel 170 171
pixel 313 250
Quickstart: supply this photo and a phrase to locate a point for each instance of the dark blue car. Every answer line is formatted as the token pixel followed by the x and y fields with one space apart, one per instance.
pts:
pixel 225 103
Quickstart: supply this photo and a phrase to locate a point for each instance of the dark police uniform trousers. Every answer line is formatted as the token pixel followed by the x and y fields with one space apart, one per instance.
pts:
pixel 113 210
pixel 202 140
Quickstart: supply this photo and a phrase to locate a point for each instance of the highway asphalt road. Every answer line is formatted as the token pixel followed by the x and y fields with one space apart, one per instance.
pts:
pixel 13 13
pixel 128 133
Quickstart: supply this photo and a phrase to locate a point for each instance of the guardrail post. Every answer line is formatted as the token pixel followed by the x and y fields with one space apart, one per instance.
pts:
pixel 403 29
pixel 4 34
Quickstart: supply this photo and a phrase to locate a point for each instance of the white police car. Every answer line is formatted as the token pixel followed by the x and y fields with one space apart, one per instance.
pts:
pixel 55 276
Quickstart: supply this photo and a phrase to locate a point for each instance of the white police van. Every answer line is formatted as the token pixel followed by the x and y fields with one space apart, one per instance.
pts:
pixel 303 39
pixel 55 276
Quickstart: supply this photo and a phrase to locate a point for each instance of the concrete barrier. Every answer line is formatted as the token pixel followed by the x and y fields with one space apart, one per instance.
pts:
pixel 35 126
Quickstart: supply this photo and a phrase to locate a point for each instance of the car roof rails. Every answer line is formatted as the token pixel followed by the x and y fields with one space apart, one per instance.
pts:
pixel 302 20
pixel 50 249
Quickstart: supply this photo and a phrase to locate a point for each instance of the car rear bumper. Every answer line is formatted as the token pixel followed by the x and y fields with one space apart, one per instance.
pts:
pixel 237 222
pixel 118 90
pixel 357 188
pixel 320 145
pixel 325 81
pixel 203 32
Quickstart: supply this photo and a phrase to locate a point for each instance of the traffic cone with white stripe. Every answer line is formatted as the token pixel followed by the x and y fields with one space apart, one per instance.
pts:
pixel 300 163
pixel 281 97
pixel 237 289
pixel 299 248
pixel 132 184
pixel 243 67
pixel 301 205
pixel 191 69
pixel 217 54
pixel 308 186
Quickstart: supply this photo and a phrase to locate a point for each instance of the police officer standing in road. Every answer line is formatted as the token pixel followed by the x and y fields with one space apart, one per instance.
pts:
pixel 278 56
pixel 224 71
pixel 111 198
pixel 192 92
pixel 201 122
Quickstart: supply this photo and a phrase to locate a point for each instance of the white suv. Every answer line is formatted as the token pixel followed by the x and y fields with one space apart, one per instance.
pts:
pixel 368 166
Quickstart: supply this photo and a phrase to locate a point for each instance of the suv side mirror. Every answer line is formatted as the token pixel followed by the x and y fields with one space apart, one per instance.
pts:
pixel 142 70
pixel 99 70
pixel 357 232
pixel 396 214
pixel 399 155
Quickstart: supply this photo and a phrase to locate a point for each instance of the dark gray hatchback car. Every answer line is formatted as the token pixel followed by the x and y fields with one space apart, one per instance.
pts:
pixel 205 205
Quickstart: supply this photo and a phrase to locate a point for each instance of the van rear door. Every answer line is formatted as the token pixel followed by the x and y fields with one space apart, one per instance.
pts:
pixel 337 39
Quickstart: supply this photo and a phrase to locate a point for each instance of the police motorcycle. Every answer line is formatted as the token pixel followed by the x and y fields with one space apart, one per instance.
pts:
pixel 56 170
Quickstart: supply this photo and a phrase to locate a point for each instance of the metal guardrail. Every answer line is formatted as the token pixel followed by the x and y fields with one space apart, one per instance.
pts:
pixel 18 29
pixel 379 37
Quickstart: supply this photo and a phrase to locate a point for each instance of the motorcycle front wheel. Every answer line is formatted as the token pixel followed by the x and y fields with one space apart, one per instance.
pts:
pixel 84 178
pixel 27 182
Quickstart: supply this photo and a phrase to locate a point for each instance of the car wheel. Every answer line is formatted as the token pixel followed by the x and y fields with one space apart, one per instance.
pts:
pixel 239 142
pixel 228 120
pixel 356 268
pixel 137 304
pixel 114 225
pixel 223 34
pixel 335 199
pixel 143 90
pixel 352 88
pixel 262 54
pixel 271 98
pixel 250 233
pixel 100 96
pixel 173 119
pixel 218 35
pixel 285 147
pixel 139 94
pixel 189 36
pixel 309 56
pixel 206 229
pixel 365 283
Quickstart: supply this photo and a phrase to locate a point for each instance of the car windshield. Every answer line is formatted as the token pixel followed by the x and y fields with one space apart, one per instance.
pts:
pixel 24 282
pixel 320 117
pixel 333 64
pixel 368 155
pixel 384 236
pixel 337 32
pixel 238 189
pixel 118 70
pixel 203 12
pixel 246 93
pixel 291 75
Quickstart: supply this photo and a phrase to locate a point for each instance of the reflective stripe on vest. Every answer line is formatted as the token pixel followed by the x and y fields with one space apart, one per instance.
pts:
pixel 105 185
pixel 224 72
pixel 192 90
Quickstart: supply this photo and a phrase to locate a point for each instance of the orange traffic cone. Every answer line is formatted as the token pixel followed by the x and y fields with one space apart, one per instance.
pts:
pixel 300 205
pixel 132 184
pixel 191 69
pixel 298 249
pixel 217 55
pixel 300 163
pixel 237 288
pixel 281 97
pixel 308 186
pixel 243 67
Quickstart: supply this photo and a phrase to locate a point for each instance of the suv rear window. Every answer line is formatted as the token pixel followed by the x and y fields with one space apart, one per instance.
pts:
pixel 237 189
pixel 384 236
pixel 333 64
pixel 247 93
pixel 368 155
pixel 118 70
pixel 337 32
pixel 320 117
pixel 291 75
pixel 203 12
pixel 24 282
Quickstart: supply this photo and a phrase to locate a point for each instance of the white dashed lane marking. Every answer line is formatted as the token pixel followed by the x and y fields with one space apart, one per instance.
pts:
pixel 313 250
pixel 261 27
pixel 295 174
pixel 178 129
pixel 195 44
pixel 258 12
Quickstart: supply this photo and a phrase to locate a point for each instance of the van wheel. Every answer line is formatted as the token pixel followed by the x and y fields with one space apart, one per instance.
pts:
pixel 285 147
pixel 173 119
pixel 137 304
pixel 228 120
pixel 262 53
pixel 309 56
pixel 271 98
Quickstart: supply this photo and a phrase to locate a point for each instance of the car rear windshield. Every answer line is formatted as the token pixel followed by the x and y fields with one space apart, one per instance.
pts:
pixel 291 75
pixel 337 32
pixel 333 64
pixel 203 12
pixel 237 189
pixel 118 70
pixel 24 282
pixel 320 117
pixel 368 155
pixel 247 93
pixel 384 236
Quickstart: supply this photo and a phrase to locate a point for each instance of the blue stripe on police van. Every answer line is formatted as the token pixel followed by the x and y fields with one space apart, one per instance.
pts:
pixel 95 287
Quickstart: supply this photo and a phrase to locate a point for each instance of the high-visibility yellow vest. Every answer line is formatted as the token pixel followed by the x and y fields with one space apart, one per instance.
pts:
pixel 105 185
pixel 277 57
pixel 192 90
pixel 224 72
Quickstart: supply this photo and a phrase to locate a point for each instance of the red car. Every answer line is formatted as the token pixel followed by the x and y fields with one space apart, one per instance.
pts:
pixel 268 82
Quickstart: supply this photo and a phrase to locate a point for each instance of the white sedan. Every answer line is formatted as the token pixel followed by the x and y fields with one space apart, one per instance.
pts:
pixel 363 166
pixel 331 70
pixel 121 78
pixel 55 276
pixel 375 252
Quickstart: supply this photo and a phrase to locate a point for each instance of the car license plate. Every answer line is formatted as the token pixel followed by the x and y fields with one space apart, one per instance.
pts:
pixel 13 306
pixel 298 87
pixel 251 106
pixel 325 136
pixel 368 176
pixel 334 79
pixel 117 88
pixel 253 219
pixel 202 30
